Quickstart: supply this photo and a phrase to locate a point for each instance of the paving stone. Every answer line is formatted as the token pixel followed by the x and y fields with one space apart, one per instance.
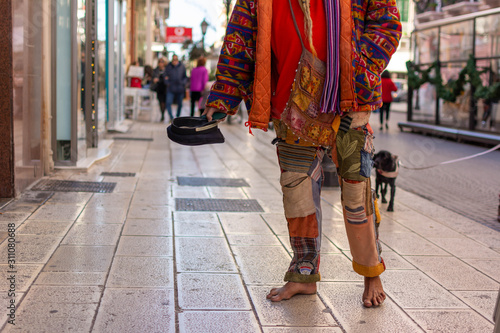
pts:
pixel 189 192
pixel 78 198
pixel 302 330
pixel 344 299
pixel 57 212
pixel 18 206
pixel 452 273
pixel 300 310
pixel 244 223
pixel 145 246
pixel 253 240
pixel 64 294
pixel 481 301
pixel 198 229
pixel 147 227
pixel 195 217
pixel 123 185
pixel 337 234
pixel 407 243
pixel 277 223
pixel 80 259
pixel 413 289
pixel 152 310
pixel 226 193
pixel 425 226
pixel 337 267
pixel 251 259
pixel 32 248
pixel 148 212
pixel 212 291
pixel 102 215
pixel 110 200
pixel 393 260
pixel 71 278
pixel 92 234
pixel 16 218
pixel 152 185
pixel 53 317
pixel 465 248
pixel 24 275
pixel 217 321
pixel 5 302
pixel 490 267
pixel 33 227
pixel 390 226
pixel 203 255
pixel 451 321
pixel 150 198
pixel 141 272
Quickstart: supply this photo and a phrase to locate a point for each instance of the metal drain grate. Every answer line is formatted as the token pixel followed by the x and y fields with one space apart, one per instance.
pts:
pixel 217 205
pixel 201 181
pixel 118 174
pixel 73 186
pixel 130 138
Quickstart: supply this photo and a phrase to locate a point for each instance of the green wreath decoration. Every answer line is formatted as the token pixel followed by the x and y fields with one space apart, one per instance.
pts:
pixel 453 88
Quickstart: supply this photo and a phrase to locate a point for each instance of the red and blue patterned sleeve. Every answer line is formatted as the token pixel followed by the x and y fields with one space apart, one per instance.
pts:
pixel 377 35
pixel 382 32
pixel 235 69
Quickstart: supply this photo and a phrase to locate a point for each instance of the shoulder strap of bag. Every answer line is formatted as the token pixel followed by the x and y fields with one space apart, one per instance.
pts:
pixel 296 26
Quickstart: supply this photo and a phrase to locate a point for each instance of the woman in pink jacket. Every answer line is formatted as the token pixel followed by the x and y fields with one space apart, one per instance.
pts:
pixel 199 77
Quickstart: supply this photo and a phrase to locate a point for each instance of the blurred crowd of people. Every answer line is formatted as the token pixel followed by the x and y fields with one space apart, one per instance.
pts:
pixel 170 82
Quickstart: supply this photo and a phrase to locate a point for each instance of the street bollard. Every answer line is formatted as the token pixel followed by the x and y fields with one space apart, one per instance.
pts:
pixel 329 173
pixel 496 315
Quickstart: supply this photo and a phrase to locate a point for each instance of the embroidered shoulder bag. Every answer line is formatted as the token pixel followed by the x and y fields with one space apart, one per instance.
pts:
pixel 302 113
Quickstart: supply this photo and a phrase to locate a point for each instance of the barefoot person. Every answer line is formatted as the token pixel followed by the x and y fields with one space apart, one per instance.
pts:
pixel 263 46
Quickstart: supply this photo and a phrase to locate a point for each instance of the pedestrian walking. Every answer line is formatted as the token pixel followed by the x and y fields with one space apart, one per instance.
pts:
pixel 160 87
pixel 275 59
pixel 198 80
pixel 388 87
pixel 176 80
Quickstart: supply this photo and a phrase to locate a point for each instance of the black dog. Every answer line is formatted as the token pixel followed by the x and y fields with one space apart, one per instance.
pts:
pixel 386 168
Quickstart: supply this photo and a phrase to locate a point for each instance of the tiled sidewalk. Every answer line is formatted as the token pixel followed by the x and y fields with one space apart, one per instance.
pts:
pixel 127 261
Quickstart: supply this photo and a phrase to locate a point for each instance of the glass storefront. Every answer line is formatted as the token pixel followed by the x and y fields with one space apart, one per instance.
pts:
pixel 27 95
pixel 449 46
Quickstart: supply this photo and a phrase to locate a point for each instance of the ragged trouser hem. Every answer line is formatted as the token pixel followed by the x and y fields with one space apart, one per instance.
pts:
pixel 301 278
pixel 367 271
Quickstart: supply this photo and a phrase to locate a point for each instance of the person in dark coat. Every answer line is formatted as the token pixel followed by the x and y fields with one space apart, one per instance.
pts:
pixel 176 80
pixel 160 87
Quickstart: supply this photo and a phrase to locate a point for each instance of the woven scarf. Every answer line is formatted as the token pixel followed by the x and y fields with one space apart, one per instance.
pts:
pixel 330 98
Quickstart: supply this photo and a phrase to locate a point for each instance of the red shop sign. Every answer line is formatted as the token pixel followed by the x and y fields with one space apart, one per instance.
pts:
pixel 178 34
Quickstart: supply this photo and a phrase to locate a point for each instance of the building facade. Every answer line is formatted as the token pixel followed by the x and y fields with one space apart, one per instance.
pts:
pixel 458 43
pixel 63 66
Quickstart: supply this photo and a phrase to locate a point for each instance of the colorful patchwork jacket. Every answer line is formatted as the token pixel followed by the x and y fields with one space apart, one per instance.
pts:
pixel 370 33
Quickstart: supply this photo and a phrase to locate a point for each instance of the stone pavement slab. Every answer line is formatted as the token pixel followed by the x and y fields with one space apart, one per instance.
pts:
pixel 127 261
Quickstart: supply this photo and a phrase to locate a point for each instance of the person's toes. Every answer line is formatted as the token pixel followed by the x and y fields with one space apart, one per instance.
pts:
pixel 272 293
pixel 367 303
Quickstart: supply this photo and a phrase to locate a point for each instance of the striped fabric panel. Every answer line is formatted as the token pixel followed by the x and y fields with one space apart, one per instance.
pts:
pixel 356 215
pixel 330 98
pixel 296 158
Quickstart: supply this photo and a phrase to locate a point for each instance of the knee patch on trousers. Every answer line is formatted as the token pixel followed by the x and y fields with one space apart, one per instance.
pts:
pixel 356 200
pixel 298 202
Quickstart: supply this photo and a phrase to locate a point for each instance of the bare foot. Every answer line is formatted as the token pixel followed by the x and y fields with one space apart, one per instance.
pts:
pixel 290 289
pixel 374 292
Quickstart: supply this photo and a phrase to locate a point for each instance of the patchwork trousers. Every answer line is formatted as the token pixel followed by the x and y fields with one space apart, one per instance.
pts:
pixel 301 179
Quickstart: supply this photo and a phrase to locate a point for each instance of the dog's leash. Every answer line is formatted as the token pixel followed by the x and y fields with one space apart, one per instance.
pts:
pixel 452 161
